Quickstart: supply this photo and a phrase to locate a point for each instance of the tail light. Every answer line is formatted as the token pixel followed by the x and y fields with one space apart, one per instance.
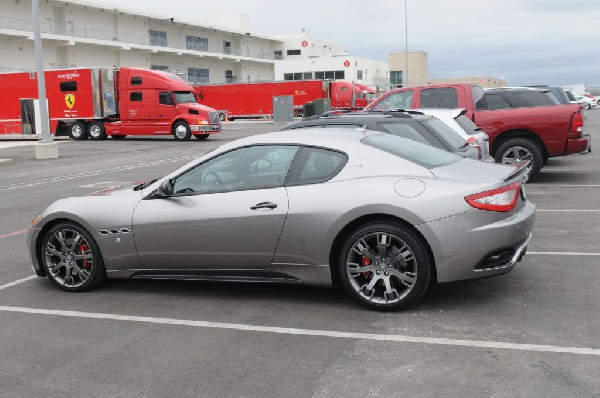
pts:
pixel 500 199
pixel 472 141
pixel 576 122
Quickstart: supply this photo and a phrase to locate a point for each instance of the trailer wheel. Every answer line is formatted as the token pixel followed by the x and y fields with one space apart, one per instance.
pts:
pixel 181 131
pixel 96 130
pixel 77 131
pixel 201 136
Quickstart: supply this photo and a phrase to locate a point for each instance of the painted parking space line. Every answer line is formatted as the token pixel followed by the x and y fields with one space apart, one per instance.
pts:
pixel 569 210
pixel 562 253
pixel 17 282
pixel 561 185
pixel 396 338
pixel 13 234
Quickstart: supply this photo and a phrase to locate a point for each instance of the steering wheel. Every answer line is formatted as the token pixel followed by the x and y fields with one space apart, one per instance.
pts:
pixel 205 181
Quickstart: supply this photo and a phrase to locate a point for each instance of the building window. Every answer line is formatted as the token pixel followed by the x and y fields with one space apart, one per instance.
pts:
pixel 288 76
pixel 158 38
pixel 396 78
pixel 339 74
pixel 159 67
pixel 226 47
pixel 196 43
pixel 229 78
pixel 319 75
pixel 297 76
pixel 198 75
pixel 359 74
pixel 278 54
pixel 330 74
pixel 294 52
pixel 307 75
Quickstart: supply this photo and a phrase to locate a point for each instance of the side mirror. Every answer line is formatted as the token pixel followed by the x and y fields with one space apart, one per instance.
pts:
pixel 166 187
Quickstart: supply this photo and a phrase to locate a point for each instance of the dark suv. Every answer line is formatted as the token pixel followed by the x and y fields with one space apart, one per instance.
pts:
pixel 411 125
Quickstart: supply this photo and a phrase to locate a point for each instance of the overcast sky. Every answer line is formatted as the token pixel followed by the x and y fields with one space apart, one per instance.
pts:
pixel 555 42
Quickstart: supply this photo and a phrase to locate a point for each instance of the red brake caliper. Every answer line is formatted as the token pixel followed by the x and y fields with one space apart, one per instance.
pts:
pixel 82 249
pixel 366 262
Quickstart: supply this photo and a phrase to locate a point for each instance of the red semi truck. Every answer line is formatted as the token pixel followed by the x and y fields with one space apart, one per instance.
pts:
pixel 237 100
pixel 101 102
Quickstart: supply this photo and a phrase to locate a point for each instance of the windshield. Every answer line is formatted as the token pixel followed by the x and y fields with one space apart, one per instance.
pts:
pixel 184 96
pixel 423 155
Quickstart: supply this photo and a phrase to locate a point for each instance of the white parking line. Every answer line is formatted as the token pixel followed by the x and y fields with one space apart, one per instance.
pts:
pixel 569 210
pixel 17 282
pixel 93 173
pixel 562 253
pixel 561 185
pixel 311 332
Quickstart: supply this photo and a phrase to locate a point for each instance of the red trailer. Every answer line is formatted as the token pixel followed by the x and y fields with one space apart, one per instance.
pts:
pixel 98 102
pixel 235 100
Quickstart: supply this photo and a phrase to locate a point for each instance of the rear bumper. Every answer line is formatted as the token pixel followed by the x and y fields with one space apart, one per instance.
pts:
pixel 578 145
pixel 479 244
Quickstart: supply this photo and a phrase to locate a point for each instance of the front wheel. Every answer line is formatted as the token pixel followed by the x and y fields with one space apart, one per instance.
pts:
pixel 518 149
pixel 181 131
pixel 96 131
pixel 72 258
pixel 385 266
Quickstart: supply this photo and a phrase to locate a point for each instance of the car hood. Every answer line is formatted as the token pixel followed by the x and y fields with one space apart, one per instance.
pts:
pixel 121 190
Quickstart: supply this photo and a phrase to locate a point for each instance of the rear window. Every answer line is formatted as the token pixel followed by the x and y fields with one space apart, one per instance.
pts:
pixel 445 97
pixel 444 133
pixel 411 131
pixel 466 124
pixel 423 155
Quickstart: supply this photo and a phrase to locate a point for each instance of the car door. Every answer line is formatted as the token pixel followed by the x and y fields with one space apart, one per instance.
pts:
pixel 226 213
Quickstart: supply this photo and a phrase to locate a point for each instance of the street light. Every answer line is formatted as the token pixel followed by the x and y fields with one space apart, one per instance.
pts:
pixel 46 148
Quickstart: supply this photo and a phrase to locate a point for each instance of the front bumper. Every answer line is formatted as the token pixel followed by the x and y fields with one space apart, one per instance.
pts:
pixel 462 243
pixel 205 128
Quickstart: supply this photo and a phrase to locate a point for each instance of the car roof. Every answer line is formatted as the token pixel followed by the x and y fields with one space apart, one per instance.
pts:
pixel 441 112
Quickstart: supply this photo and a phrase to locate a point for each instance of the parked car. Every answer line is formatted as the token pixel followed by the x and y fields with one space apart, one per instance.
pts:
pixel 558 92
pixel 384 216
pixel 517 132
pixel 412 125
pixel 587 102
pixel 459 122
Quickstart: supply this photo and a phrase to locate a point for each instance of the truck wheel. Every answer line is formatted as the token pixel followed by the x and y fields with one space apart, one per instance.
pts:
pixel 222 117
pixel 201 136
pixel 181 131
pixel 77 131
pixel 521 149
pixel 96 131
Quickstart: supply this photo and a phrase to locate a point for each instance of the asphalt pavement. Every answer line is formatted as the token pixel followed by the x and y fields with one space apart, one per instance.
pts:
pixel 534 332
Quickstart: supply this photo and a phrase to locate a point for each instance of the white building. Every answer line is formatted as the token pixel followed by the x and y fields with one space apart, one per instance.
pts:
pixel 78 33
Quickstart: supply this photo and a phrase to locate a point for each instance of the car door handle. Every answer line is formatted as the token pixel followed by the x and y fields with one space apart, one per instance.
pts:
pixel 263 205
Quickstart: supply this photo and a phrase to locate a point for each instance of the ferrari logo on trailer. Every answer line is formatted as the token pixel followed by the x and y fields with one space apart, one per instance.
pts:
pixel 70 100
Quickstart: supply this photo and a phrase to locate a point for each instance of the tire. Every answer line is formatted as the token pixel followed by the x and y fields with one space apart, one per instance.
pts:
pixel 222 117
pixel 202 136
pixel 96 131
pixel 58 258
pixel 118 137
pixel 389 285
pixel 520 149
pixel 181 131
pixel 77 131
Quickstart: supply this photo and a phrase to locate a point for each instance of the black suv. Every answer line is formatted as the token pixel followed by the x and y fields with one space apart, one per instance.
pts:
pixel 407 124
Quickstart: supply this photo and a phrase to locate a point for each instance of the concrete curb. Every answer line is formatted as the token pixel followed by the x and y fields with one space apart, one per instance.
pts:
pixel 6 161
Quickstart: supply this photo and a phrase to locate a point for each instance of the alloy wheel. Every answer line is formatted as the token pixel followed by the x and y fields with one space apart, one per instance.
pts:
pixel 68 257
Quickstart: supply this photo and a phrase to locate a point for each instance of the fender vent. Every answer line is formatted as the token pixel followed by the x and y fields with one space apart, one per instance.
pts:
pixel 115 231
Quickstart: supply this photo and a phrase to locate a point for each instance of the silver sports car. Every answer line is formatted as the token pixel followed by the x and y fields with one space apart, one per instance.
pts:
pixel 384 216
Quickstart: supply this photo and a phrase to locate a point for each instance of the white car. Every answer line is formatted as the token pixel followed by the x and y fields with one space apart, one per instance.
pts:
pixel 459 122
pixel 586 101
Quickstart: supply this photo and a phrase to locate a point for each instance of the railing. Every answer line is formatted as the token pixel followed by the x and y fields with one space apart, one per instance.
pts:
pixel 70 30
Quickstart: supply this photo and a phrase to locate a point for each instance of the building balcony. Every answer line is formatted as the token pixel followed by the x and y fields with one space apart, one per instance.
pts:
pixel 73 33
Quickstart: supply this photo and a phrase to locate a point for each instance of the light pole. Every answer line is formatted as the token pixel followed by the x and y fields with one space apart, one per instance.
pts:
pixel 406 41
pixel 46 148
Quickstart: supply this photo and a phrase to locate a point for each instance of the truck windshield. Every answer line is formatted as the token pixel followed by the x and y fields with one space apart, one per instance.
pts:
pixel 184 96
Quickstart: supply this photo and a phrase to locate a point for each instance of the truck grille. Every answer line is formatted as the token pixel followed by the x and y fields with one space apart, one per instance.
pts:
pixel 213 117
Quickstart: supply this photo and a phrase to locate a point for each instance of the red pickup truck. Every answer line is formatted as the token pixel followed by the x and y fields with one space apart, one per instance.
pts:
pixel 535 133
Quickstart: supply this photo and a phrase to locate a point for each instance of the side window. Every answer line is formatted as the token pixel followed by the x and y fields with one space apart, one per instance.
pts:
pixel 439 98
pixel 136 80
pixel 527 99
pixel 317 165
pixel 401 100
pixel 165 98
pixel 254 167
pixel 135 96
pixel 68 86
pixel 496 101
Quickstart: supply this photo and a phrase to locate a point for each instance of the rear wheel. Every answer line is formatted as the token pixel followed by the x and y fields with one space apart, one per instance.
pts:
pixel 518 149
pixel 201 136
pixel 72 258
pixel 181 131
pixel 384 266
pixel 77 131
pixel 96 130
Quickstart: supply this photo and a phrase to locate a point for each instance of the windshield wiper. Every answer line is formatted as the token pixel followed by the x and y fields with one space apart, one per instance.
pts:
pixel 144 185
